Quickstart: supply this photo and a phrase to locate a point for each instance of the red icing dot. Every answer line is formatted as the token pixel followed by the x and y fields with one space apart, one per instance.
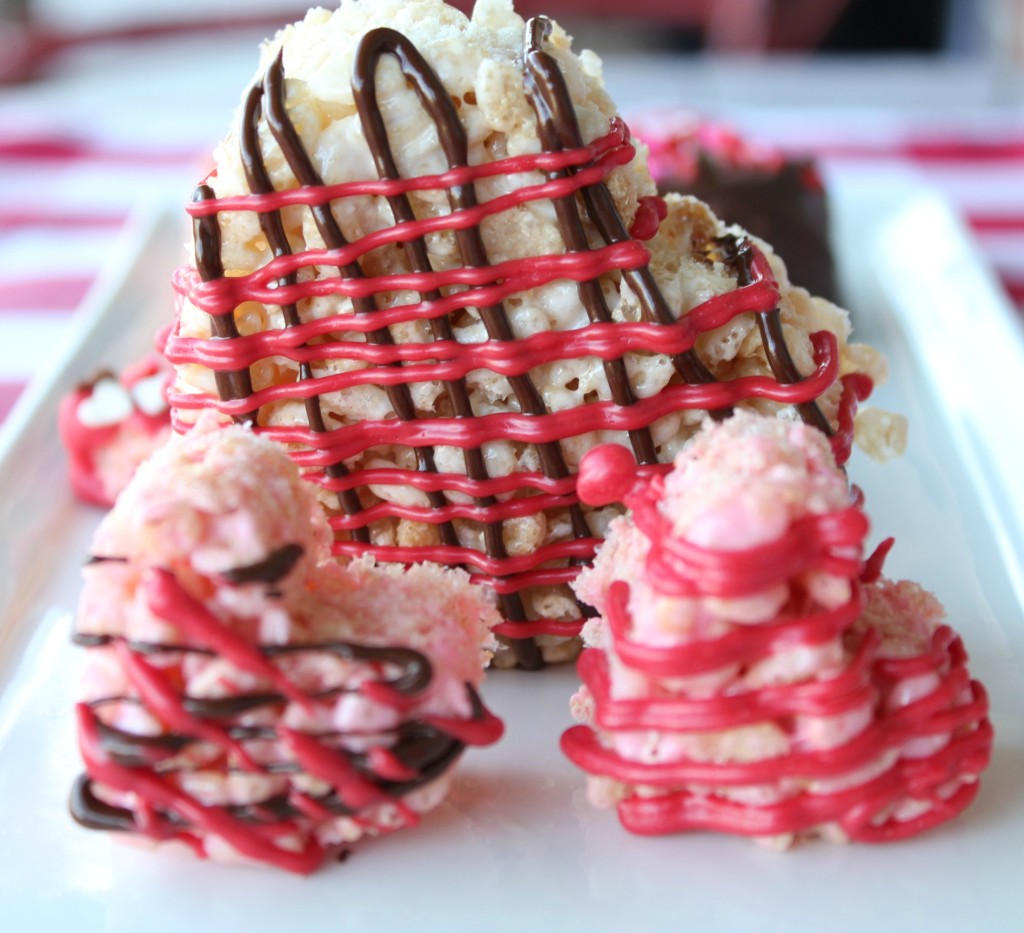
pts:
pixel 650 212
pixel 607 474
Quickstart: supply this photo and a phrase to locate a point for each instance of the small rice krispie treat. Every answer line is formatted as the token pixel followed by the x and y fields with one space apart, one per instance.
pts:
pixel 111 424
pixel 245 693
pixel 432 263
pixel 749 673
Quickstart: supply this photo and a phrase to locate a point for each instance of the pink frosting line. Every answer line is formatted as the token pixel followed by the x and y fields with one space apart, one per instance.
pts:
pixel 829 543
pixel 354 789
pixel 603 340
pixel 613 146
pixel 854 809
pixel 499 511
pixel 165 703
pixel 956 709
pixel 846 690
pixel 933 715
pixel 580 548
pixel 252 841
pixel 487 285
pixel 168 601
pixel 350 441
pixel 742 645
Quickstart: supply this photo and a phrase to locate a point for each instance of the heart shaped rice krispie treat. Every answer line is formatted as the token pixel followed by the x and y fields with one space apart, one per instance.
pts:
pixel 247 694
pixel 749 673
pixel 432 263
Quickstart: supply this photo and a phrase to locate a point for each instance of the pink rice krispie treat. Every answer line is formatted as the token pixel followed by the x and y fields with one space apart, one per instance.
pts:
pixel 749 673
pixel 245 693
pixel 110 425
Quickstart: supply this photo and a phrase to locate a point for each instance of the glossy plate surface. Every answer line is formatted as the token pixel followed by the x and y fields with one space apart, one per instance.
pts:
pixel 516 846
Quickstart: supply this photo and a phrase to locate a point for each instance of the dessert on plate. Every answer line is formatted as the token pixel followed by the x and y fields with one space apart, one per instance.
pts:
pixel 110 424
pixel 246 694
pixel 431 262
pixel 749 672
pixel 779 198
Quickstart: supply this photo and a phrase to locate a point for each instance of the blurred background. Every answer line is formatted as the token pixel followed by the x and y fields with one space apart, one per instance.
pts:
pixel 823 26
pixel 112 104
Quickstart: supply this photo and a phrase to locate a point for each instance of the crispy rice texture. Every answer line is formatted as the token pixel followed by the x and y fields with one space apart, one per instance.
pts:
pixel 478 60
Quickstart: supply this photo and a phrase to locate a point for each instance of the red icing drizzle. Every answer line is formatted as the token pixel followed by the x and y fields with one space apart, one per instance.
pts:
pixel 165 811
pixel 82 442
pixel 327 454
pixel 452 360
pixel 650 212
pixel 688 793
pixel 154 791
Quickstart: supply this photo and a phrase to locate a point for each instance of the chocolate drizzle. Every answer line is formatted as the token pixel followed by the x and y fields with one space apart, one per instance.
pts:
pixel 772 338
pixel 414 669
pixel 586 214
pixel 553 105
pixel 416 751
pixel 422 748
pixel 275 566
pixel 452 137
pixel 549 96
pixel 206 234
pixel 273 229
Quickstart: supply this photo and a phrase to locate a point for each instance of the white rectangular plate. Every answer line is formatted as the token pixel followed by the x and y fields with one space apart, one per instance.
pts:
pixel 516 846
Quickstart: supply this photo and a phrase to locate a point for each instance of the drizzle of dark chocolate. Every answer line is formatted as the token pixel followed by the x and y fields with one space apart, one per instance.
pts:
pixel 452 138
pixel 275 566
pixel 769 325
pixel 89 811
pixel 417 745
pixel 558 130
pixel 553 105
pixel 210 266
pixel 283 131
pixel 415 670
pixel 273 229
pixel 420 747
pixel 92 559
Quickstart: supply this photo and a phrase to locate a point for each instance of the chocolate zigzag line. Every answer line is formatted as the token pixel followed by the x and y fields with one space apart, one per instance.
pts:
pixel 559 133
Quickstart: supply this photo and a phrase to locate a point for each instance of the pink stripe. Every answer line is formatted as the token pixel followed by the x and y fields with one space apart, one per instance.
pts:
pixel 9 392
pixel 14 219
pixel 57 149
pixel 929 150
pixel 997 223
pixel 56 294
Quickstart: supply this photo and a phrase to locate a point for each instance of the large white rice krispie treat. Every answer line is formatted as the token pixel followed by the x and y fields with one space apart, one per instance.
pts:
pixel 247 694
pixel 430 261
pixel 749 674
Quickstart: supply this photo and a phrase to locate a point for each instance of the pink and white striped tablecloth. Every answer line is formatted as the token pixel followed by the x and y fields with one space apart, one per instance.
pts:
pixel 70 177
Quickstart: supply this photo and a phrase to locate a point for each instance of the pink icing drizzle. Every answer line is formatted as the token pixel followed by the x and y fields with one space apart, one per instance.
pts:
pixel 158 795
pixel 82 443
pixel 154 791
pixel 410 363
pixel 945 779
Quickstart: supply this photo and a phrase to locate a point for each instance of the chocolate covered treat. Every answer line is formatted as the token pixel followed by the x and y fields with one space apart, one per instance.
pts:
pixel 432 264
pixel 750 672
pixel 247 695
pixel 780 199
